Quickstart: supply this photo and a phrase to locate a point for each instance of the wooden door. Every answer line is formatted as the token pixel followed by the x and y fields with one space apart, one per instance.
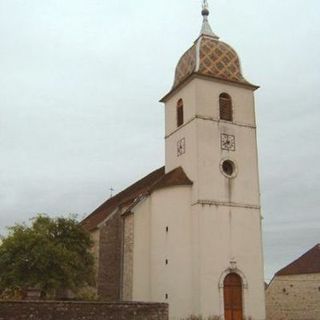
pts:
pixel 233 297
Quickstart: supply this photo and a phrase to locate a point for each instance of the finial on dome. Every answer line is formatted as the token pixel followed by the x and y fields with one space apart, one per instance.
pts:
pixel 205 8
pixel 206 29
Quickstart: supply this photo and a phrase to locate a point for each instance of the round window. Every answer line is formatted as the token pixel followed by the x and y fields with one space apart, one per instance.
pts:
pixel 228 168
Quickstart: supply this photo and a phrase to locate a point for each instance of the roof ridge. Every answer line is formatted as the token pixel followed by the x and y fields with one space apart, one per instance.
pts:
pixel 135 192
pixel 177 179
pixel 116 199
pixel 309 262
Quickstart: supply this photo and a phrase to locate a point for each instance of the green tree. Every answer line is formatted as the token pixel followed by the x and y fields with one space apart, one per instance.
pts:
pixel 51 254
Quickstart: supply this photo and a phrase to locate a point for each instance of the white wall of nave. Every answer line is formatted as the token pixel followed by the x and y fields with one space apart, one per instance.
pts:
pixel 153 245
pixel 171 208
pixel 141 287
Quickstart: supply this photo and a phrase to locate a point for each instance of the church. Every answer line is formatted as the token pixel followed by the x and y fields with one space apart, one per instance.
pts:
pixel 189 233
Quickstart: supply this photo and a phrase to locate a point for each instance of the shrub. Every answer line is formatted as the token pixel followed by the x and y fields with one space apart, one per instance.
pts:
pixel 199 317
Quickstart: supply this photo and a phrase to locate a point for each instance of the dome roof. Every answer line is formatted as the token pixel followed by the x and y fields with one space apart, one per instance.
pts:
pixel 210 57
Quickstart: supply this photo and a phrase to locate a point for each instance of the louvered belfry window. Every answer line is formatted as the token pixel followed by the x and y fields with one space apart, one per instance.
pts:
pixel 180 113
pixel 225 104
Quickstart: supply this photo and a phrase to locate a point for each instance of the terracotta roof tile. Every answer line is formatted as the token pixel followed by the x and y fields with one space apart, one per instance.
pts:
pixel 175 177
pixel 153 181
pixel 307 263
pixel 210 57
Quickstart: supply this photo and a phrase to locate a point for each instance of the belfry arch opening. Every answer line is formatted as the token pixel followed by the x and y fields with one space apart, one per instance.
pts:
pixel 233 297
pixel 225 107
pixel 179 113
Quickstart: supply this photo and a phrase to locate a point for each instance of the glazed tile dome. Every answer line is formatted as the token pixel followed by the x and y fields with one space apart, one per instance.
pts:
pixel 210 57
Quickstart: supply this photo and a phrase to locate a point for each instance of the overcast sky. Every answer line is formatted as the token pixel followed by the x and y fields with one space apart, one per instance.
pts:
pixel 80 82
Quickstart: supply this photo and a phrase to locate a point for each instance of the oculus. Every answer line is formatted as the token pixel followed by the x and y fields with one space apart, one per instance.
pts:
pixel 228 168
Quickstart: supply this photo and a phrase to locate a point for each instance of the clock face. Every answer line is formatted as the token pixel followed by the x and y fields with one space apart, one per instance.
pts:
pixel 228 142
pixel 181 147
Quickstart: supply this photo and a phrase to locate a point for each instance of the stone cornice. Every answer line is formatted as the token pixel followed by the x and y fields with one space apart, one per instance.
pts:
pixel 226 204
pixel 206 118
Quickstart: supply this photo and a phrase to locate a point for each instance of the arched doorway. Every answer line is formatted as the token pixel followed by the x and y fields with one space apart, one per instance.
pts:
pixel 232 297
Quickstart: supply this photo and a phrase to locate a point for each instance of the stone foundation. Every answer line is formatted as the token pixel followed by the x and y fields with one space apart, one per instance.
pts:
pixel 39 310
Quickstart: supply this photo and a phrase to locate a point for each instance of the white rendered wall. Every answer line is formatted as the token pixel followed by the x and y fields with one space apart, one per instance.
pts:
pixel 212 184
pixel 225 235
pixel 207 95
pixel 226 220
pixel 170 208
pixel 200 243
pixel 188 95
pixel 141 288
pixel 202 132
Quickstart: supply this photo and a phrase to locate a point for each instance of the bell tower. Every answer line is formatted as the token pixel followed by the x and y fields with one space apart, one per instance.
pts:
pixel 210 131
pixel 210 122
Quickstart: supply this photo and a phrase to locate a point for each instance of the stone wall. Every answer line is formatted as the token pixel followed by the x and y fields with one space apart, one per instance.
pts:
pixel 109 267
pixel 294 297
pixel 128 257
pixel 14 310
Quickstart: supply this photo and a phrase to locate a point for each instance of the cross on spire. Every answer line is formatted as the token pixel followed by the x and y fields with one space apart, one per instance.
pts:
pixel 205 4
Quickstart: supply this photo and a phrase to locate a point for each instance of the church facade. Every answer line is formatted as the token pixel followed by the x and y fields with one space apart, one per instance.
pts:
pixel 189 233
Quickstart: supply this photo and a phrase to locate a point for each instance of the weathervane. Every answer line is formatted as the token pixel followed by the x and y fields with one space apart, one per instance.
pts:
pixel 206 29
pixel 111 192
pixel 205 4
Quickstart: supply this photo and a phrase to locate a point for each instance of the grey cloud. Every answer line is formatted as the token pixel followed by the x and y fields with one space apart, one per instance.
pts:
pixel 80 83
